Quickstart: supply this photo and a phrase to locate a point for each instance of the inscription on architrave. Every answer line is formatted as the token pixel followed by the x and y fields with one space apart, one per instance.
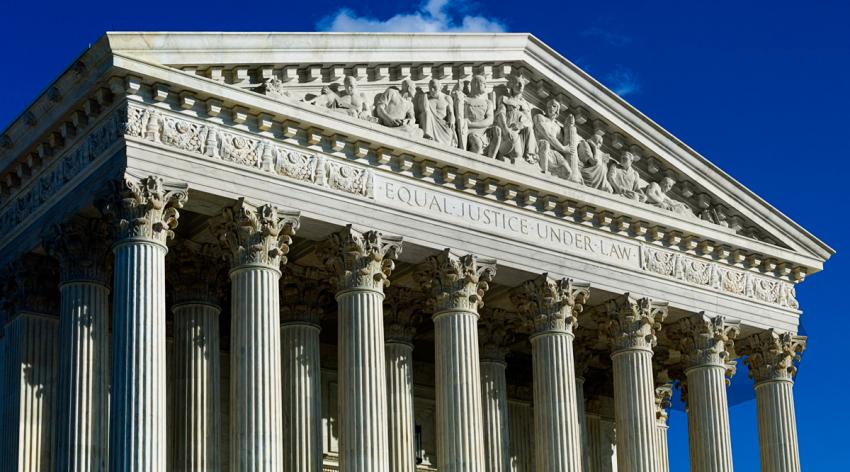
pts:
pixel 504 222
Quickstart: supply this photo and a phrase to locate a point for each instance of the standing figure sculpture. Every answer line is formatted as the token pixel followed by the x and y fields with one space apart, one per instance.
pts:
pixel 556 156
pixel 513 116
pixel 623 177
pixel 475 115
pixel 656 194
pixel 351 101
pixel 594 162
pixel 435 115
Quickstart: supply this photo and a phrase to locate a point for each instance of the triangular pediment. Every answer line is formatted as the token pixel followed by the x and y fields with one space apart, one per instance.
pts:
pixel 306 74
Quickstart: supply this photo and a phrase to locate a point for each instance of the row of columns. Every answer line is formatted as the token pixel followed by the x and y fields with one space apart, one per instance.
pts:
pixel 375 368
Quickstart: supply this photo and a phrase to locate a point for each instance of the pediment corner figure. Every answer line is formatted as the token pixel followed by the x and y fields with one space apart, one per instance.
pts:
pixel 450 252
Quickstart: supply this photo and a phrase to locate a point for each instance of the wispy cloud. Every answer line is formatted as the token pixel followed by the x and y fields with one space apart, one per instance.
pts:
pixel 432 16
pixel 623 81
pixel 611 37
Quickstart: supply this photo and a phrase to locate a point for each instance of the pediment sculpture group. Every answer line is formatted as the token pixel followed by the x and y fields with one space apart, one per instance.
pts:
pixel 506 128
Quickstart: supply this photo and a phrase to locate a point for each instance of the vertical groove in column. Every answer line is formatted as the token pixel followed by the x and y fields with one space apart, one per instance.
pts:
pixel 29 392
pixel 708 419
pixel 600 439
pixel 255 376
pixel 363 445
pixel 138 409
pixel 777 426
pixel 197 399
pixel 460 430
pixel 555 412
pixel 582 422
pixel 399 360
pixel 634 404
pixel 521 436
pixel 83 421
pixel 663 453
pixel 302 435
pixel 494 399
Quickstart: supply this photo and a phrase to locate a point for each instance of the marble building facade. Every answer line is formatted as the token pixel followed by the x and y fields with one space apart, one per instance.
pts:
pixel 377 253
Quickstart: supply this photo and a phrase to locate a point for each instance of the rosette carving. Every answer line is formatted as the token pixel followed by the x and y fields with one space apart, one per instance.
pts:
pixel 195 273
pixel 705 340
pixel 402 313
pixel 256 235
pixel 454 282
pixel 83 248
pixel 549 304
pixel 145 208
pixel 360 260
pixel 632 323
pixel 304 295
pixel 772 355
pixel 495 334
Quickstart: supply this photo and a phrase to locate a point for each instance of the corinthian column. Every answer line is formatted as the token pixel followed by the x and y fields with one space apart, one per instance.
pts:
pixel 196 279
pixel 663 393
pixel 145 212
pixel 257 239
pixel 361 263
pixel 456 285
pixel 494 336
pixel 706 344
pixel 83 249
pixel 303 297
pixel 552 306
pixel 601 437
pixel 29 389
pixel 402 315
pixel 631 325
pixel 771 358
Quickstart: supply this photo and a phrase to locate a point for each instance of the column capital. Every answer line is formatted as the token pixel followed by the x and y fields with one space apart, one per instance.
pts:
pixel 632 323
pixel 195 273
pixel 30 286
pixel 454 282
pixel 359 259
pixel 772 355
pixel 304 294
pixel 145 208
pixel 83 248
pixel 705 340
pixel 663 401
pixel 256 235
pixel 403 312
pixel 494 334
pixel 551 305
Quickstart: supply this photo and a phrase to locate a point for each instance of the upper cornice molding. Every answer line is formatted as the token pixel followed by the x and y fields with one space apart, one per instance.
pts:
pixel 163 56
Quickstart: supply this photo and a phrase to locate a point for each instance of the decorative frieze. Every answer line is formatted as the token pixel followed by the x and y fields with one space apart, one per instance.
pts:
pixel 551 305
pixel 360 260
pixel 455 282
pixel 256 235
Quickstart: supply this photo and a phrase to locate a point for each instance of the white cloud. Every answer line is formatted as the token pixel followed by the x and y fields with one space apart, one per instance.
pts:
pixel 432 16
pixel 623 81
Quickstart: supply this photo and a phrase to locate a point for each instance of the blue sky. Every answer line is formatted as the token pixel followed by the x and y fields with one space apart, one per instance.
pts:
pixel 759 88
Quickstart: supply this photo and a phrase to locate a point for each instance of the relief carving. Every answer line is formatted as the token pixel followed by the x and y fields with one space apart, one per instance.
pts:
pixel 513 117
pixel 475 117
pixel 435 113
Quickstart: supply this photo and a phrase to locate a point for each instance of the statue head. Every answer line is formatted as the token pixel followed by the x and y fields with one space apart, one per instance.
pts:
pixel 408 88
pixel 597 137
pixel 667 183
pixel 478 84
pixel 325 90
pixel 553 108
pixel 349 83
pixel 517 83
pixel 627 158
pixel 433 87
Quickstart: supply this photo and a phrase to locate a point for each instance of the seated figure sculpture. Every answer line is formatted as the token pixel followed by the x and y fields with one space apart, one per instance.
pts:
pixel 394 110
pixel 435 115
pixel 656 194
pixel 513 116
pixel 351 101
pixel 475 129
pixel 623 177
pixel 326 98
pixel 553 143
pixel 594 161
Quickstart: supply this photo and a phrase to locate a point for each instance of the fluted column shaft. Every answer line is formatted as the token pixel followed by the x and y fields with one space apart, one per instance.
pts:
pixel 399 358
pixel 601 444
pixel 494 397
pixel 197 395
pixel 556 411
pixel 582 422
pixel 663 453
pixel 302 435
pixel 521 436
pixel 634 407
pixel 29 393
pixel 256 426
pixel 362 381
pixel 138 405
pixel 83 432
pixel 777 424
pixel 708 419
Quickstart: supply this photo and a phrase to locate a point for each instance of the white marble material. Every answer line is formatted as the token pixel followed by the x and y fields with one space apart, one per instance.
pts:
pixel 302 435
pixel 601 443
pixel 663 394
pixel 494 398
pixel 402 448
pixel 582 422
pixel 521 436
